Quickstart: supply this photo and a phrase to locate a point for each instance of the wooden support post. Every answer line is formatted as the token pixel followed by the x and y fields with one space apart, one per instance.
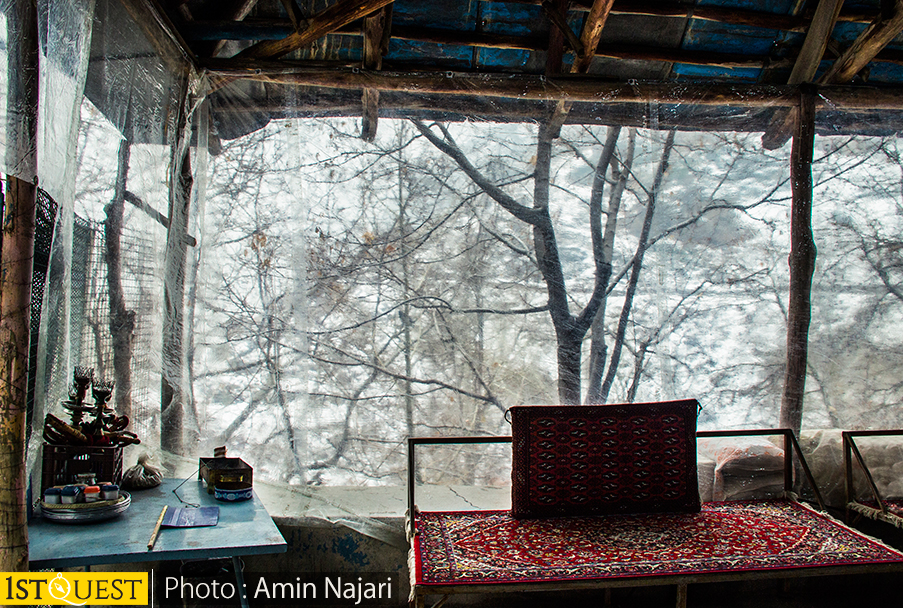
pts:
pixel 16 256
pixel 802 263
pixel 681 599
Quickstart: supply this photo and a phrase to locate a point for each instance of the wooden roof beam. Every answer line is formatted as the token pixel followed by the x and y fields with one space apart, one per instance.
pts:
pixel 863 50
pixel 555 46
pixel 567 88
pixel 327 21
pixel 589 41
pixel 866 47
pixel 464 108
pixel 274 29
pixel 558 19
pixel 294 15
pixel 242 10
pixel 161 33
pixel 376 31
pixel 816 41
pixel 804 69
pixel 705 58
pixel 592 33
pixel 733 16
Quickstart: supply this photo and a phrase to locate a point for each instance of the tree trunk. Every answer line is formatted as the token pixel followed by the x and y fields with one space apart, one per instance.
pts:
pixel 16 257
pixel 122 320
pixel 802 265
pixel 172 390
pixel 569 348
pixel 545 245
pixel 635 271
pixel 598 346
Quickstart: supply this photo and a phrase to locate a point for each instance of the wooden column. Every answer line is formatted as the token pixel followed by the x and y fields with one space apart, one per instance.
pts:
pixel 16 255
pixel 802 263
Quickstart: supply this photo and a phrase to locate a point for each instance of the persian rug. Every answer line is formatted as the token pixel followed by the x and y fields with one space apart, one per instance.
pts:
pixel 604 459
pixel 478 547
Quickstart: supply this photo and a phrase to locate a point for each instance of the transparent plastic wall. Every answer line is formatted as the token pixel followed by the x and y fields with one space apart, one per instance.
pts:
pixel 422 306
pixel 326 297
pixel 426 310
pixel 110 140
pixel 856 343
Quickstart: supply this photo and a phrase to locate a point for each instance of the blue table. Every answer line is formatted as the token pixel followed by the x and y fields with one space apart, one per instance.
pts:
pixel 244 528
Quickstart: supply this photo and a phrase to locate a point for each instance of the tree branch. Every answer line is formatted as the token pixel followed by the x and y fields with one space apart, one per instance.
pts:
pixel 447 145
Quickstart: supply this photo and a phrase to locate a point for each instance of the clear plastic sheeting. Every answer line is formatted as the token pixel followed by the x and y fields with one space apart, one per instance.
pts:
pixel 109 121
pixel 746 468
pixel 882 455
pixel 253 273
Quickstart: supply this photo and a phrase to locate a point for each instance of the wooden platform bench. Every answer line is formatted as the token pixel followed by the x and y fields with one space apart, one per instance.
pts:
pixel 606 497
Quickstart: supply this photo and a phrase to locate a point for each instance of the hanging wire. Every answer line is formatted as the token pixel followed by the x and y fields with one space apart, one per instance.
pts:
pixel 184 481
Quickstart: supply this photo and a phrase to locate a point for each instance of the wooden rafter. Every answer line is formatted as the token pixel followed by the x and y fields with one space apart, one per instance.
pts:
pixel 733 16
pixel 329 20
pixel 209 30
pixel 863 50
pixel 294 15
pixel 592 33
pixel 589 40
pixel 237 28
pixel 816 41
pixel 558 19
pixel 161 33
pixel 866 47
pixel 242 10
pixel 376 31
pixel 555 47
pixel 804 69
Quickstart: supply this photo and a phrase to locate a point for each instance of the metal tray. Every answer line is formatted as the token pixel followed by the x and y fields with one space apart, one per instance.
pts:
pixel 83 513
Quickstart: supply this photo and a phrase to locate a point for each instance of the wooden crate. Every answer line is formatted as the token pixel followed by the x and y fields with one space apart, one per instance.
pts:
pixel 63 462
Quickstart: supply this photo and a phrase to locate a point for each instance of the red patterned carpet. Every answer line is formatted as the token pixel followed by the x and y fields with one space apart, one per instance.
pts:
pixel 479 547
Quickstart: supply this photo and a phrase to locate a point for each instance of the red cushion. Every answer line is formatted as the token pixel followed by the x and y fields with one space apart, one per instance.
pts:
pixel 604 459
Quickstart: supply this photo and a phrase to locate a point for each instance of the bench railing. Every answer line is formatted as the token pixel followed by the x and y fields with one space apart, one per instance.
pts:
pixel 791 446
pixel 851 451
pixel 415 441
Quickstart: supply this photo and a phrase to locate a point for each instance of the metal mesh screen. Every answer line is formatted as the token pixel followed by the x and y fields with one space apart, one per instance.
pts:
pixel 45 217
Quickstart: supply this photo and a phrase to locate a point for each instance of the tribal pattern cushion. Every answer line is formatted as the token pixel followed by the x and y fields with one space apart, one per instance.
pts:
pixel 479 547
pixel 604 459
